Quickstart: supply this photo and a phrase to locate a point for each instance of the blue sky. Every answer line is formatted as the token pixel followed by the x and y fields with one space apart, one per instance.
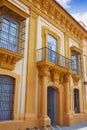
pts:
pixel 77 8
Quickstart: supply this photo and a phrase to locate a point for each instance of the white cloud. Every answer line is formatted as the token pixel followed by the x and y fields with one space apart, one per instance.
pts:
pixel 64 3
pixel 78 16
pixel 81 17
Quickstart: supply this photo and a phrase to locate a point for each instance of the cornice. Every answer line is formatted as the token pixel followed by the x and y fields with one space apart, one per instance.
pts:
pixel 11 7
pixel 74 48
pixel 57 16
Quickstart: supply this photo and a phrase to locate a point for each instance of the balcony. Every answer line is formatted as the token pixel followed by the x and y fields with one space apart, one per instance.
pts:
pixel 48 56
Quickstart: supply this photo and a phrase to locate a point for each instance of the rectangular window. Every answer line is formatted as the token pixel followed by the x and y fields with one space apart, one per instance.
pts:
pixel 9 30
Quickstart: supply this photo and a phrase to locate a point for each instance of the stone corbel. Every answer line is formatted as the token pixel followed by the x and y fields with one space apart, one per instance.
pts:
pixel 57 16
pixel 52 12
pixel 76 79
pixel 55 74
pixel 45 6
pixel 37 3
pixel 68 25
pixel 63 20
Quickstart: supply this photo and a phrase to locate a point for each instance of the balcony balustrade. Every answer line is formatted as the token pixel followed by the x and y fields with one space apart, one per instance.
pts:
pixel 48 55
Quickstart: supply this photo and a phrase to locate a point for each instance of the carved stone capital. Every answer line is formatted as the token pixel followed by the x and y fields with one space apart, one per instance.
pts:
pixel 75 79
pixel 44 71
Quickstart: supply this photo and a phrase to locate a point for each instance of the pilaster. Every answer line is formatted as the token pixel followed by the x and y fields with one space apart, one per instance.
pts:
pixel 66 44
pixel 30 109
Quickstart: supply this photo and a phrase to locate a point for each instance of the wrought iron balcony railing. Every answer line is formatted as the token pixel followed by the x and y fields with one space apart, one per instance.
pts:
pixel 46 54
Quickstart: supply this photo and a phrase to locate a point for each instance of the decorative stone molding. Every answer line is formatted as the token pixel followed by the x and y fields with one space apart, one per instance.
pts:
pixel 74 48
pixel 45 32
pixel 76 79
pixel 8 59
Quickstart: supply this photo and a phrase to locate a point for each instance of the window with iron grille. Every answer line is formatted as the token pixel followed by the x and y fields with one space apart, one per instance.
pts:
pixel 12 35
pixel 9 34
pixel 6 97
pixel 76 100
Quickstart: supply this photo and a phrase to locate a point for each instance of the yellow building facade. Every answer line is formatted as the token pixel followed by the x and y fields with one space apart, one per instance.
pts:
pixel 43 65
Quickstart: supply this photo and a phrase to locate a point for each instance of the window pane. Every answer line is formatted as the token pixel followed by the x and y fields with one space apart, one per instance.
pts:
pixel 5 25
pixel 4 33
pixel 76 100
pixel 52 48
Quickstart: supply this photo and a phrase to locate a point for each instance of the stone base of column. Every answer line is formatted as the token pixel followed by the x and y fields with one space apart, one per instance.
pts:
pixel 68 120
pixel 44 120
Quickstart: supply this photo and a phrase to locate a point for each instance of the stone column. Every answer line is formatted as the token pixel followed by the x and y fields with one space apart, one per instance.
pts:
pixel 44 73
pixel 67 115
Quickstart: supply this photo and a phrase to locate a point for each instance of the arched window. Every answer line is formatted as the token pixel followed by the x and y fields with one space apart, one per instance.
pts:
pixel 52 49
pixel 6 97
pixel 76 100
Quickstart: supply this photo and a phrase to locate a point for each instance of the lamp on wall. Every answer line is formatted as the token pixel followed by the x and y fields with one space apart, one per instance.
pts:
pixel 85 82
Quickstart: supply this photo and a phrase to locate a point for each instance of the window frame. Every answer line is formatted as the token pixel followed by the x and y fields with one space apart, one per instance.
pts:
pixel 45 32
pixel 78 52
pixel 15 115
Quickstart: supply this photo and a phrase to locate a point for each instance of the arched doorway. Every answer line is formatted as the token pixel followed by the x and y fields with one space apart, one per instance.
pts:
pixel 51 104
pixel 76 100
pixel 6 97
